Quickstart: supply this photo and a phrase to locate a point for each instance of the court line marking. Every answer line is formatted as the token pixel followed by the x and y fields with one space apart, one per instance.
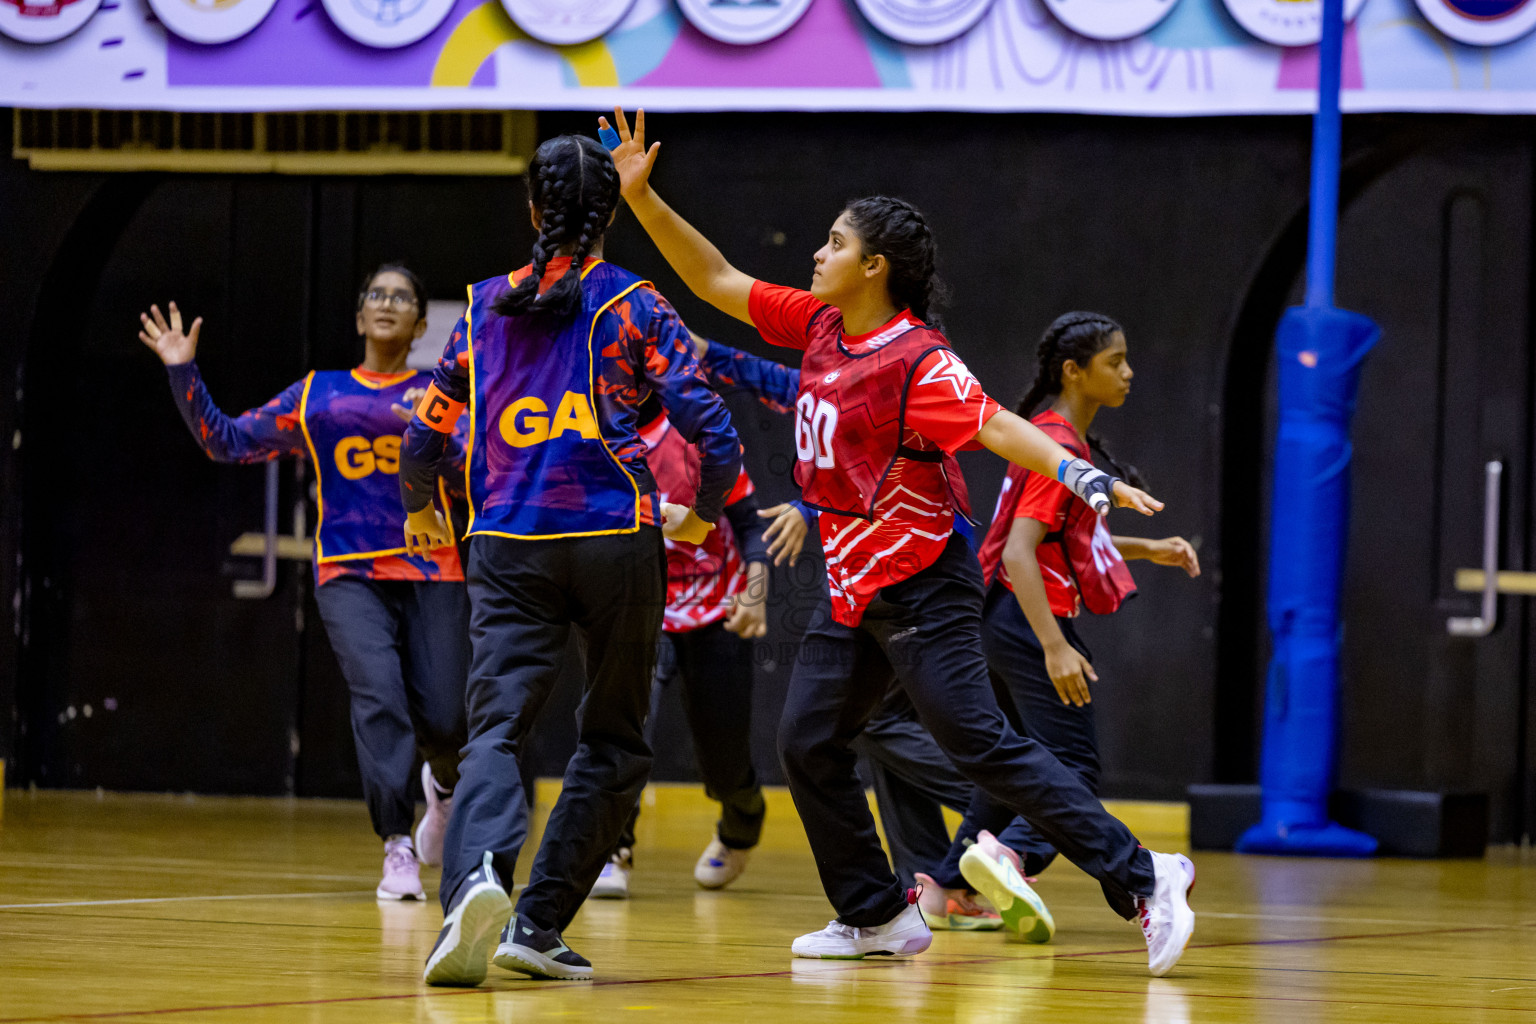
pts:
pixel 187 899
pixel 883 965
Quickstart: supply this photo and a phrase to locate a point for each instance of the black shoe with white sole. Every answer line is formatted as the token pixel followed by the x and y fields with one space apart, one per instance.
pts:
pixel 539 953
pixel 464 944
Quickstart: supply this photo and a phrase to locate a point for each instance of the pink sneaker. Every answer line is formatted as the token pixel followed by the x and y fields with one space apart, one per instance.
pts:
pixel 434 824
pixel 402 875
pixel 953 909
pixel 997 851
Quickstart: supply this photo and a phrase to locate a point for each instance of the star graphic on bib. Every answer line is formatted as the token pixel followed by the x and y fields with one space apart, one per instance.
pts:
pixel 949 368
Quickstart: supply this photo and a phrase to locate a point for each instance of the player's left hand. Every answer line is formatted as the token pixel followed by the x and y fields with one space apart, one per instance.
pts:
pixel 786 534
pixel 408 401
pixel 425 532
pixel 1127 496
pixel 1178 552
pixel 749 619
pixel 679 522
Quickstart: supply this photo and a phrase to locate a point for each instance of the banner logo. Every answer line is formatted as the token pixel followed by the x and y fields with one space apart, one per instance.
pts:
pixel 1110 20
pixel 743 22
pixel 385 24
pixel 567 22
pixel 44 21
pixel 1286 22
pixel 923 22
pixel 1481 22
pixel 211 21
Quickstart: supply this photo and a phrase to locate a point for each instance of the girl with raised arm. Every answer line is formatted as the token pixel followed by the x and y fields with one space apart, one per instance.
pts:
pixel 884 403
pixel 396 619
pixel 552 363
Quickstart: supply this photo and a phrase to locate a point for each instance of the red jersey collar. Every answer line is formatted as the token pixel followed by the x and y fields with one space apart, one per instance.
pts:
pixel 884 333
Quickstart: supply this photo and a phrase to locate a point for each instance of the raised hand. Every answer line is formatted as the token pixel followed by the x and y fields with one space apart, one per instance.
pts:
pixel 632 159
pixel 167 340
pixel 1127 496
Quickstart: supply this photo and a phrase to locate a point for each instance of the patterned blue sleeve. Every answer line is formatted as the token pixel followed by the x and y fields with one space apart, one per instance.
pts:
pixel 672 370
pixel 773 384
pixel 267 432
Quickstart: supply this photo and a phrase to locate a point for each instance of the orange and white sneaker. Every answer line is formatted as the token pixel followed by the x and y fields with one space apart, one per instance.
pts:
pixel 953 910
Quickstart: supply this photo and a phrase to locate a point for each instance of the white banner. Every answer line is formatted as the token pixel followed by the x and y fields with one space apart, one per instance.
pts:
pixel 1189 57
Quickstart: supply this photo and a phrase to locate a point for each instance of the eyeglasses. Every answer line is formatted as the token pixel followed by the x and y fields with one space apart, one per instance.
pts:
pixel 389 300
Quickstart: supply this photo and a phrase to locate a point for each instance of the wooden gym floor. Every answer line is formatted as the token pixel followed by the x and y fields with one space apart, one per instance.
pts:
pixel 169 909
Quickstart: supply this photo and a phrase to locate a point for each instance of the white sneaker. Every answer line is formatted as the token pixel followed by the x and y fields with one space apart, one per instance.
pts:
pixel 402 875
pixel 464 945
pixel 613 883
pixel 904 935
pixel 719 865
pixel 994 875
pixel 1166 920
pixel 434 824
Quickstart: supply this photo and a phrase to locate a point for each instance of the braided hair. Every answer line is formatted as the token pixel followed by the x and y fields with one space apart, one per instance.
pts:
pixel 1078 337
pixel 574 188
pixel 896 229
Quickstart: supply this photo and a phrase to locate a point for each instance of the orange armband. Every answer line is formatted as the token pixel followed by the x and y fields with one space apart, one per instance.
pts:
pixel 439 411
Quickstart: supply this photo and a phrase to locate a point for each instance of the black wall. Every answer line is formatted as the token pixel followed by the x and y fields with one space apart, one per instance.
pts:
pixel 1187 231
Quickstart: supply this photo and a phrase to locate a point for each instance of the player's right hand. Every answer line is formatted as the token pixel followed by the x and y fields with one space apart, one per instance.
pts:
pixel 1070 672
pixel 632 159
pixel 167 340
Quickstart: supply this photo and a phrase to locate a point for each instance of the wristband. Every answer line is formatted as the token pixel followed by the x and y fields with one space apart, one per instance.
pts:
pixel 1093 485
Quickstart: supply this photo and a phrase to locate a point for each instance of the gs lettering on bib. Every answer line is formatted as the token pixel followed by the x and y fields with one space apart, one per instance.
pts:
pixel 354 443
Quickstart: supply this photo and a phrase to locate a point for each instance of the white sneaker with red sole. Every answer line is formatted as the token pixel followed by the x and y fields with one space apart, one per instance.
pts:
pixel 1166 920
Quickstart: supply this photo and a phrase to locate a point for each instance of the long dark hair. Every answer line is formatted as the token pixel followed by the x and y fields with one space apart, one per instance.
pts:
pixel 1078 337
pixel 418 287
pixel 574 188
pixel 897 230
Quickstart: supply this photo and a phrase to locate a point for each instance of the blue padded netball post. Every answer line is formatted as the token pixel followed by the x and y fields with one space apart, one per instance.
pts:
pixel 1320 353
pixel 1320 350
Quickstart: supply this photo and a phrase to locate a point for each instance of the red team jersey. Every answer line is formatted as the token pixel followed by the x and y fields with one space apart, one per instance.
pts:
pixel 913 513
pixel 1027 495
pixel 702 579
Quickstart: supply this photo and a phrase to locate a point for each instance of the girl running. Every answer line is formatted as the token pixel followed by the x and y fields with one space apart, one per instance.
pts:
pixel 397 620
pixel 1046 559
pixel 552 363
pixel 884 403
pixel 716 602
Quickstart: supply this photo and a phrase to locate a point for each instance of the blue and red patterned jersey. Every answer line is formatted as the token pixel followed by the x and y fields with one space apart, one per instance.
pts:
pixel 554 440
pixel 344 422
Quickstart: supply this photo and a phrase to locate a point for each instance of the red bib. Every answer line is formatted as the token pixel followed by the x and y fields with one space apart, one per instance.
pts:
pixel 849 418
pixel 1082 550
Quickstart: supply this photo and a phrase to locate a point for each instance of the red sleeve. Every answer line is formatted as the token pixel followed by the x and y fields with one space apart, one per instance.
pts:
pixel 783 315
pixel 742 489
pixel 1045 500
pixel 945 402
